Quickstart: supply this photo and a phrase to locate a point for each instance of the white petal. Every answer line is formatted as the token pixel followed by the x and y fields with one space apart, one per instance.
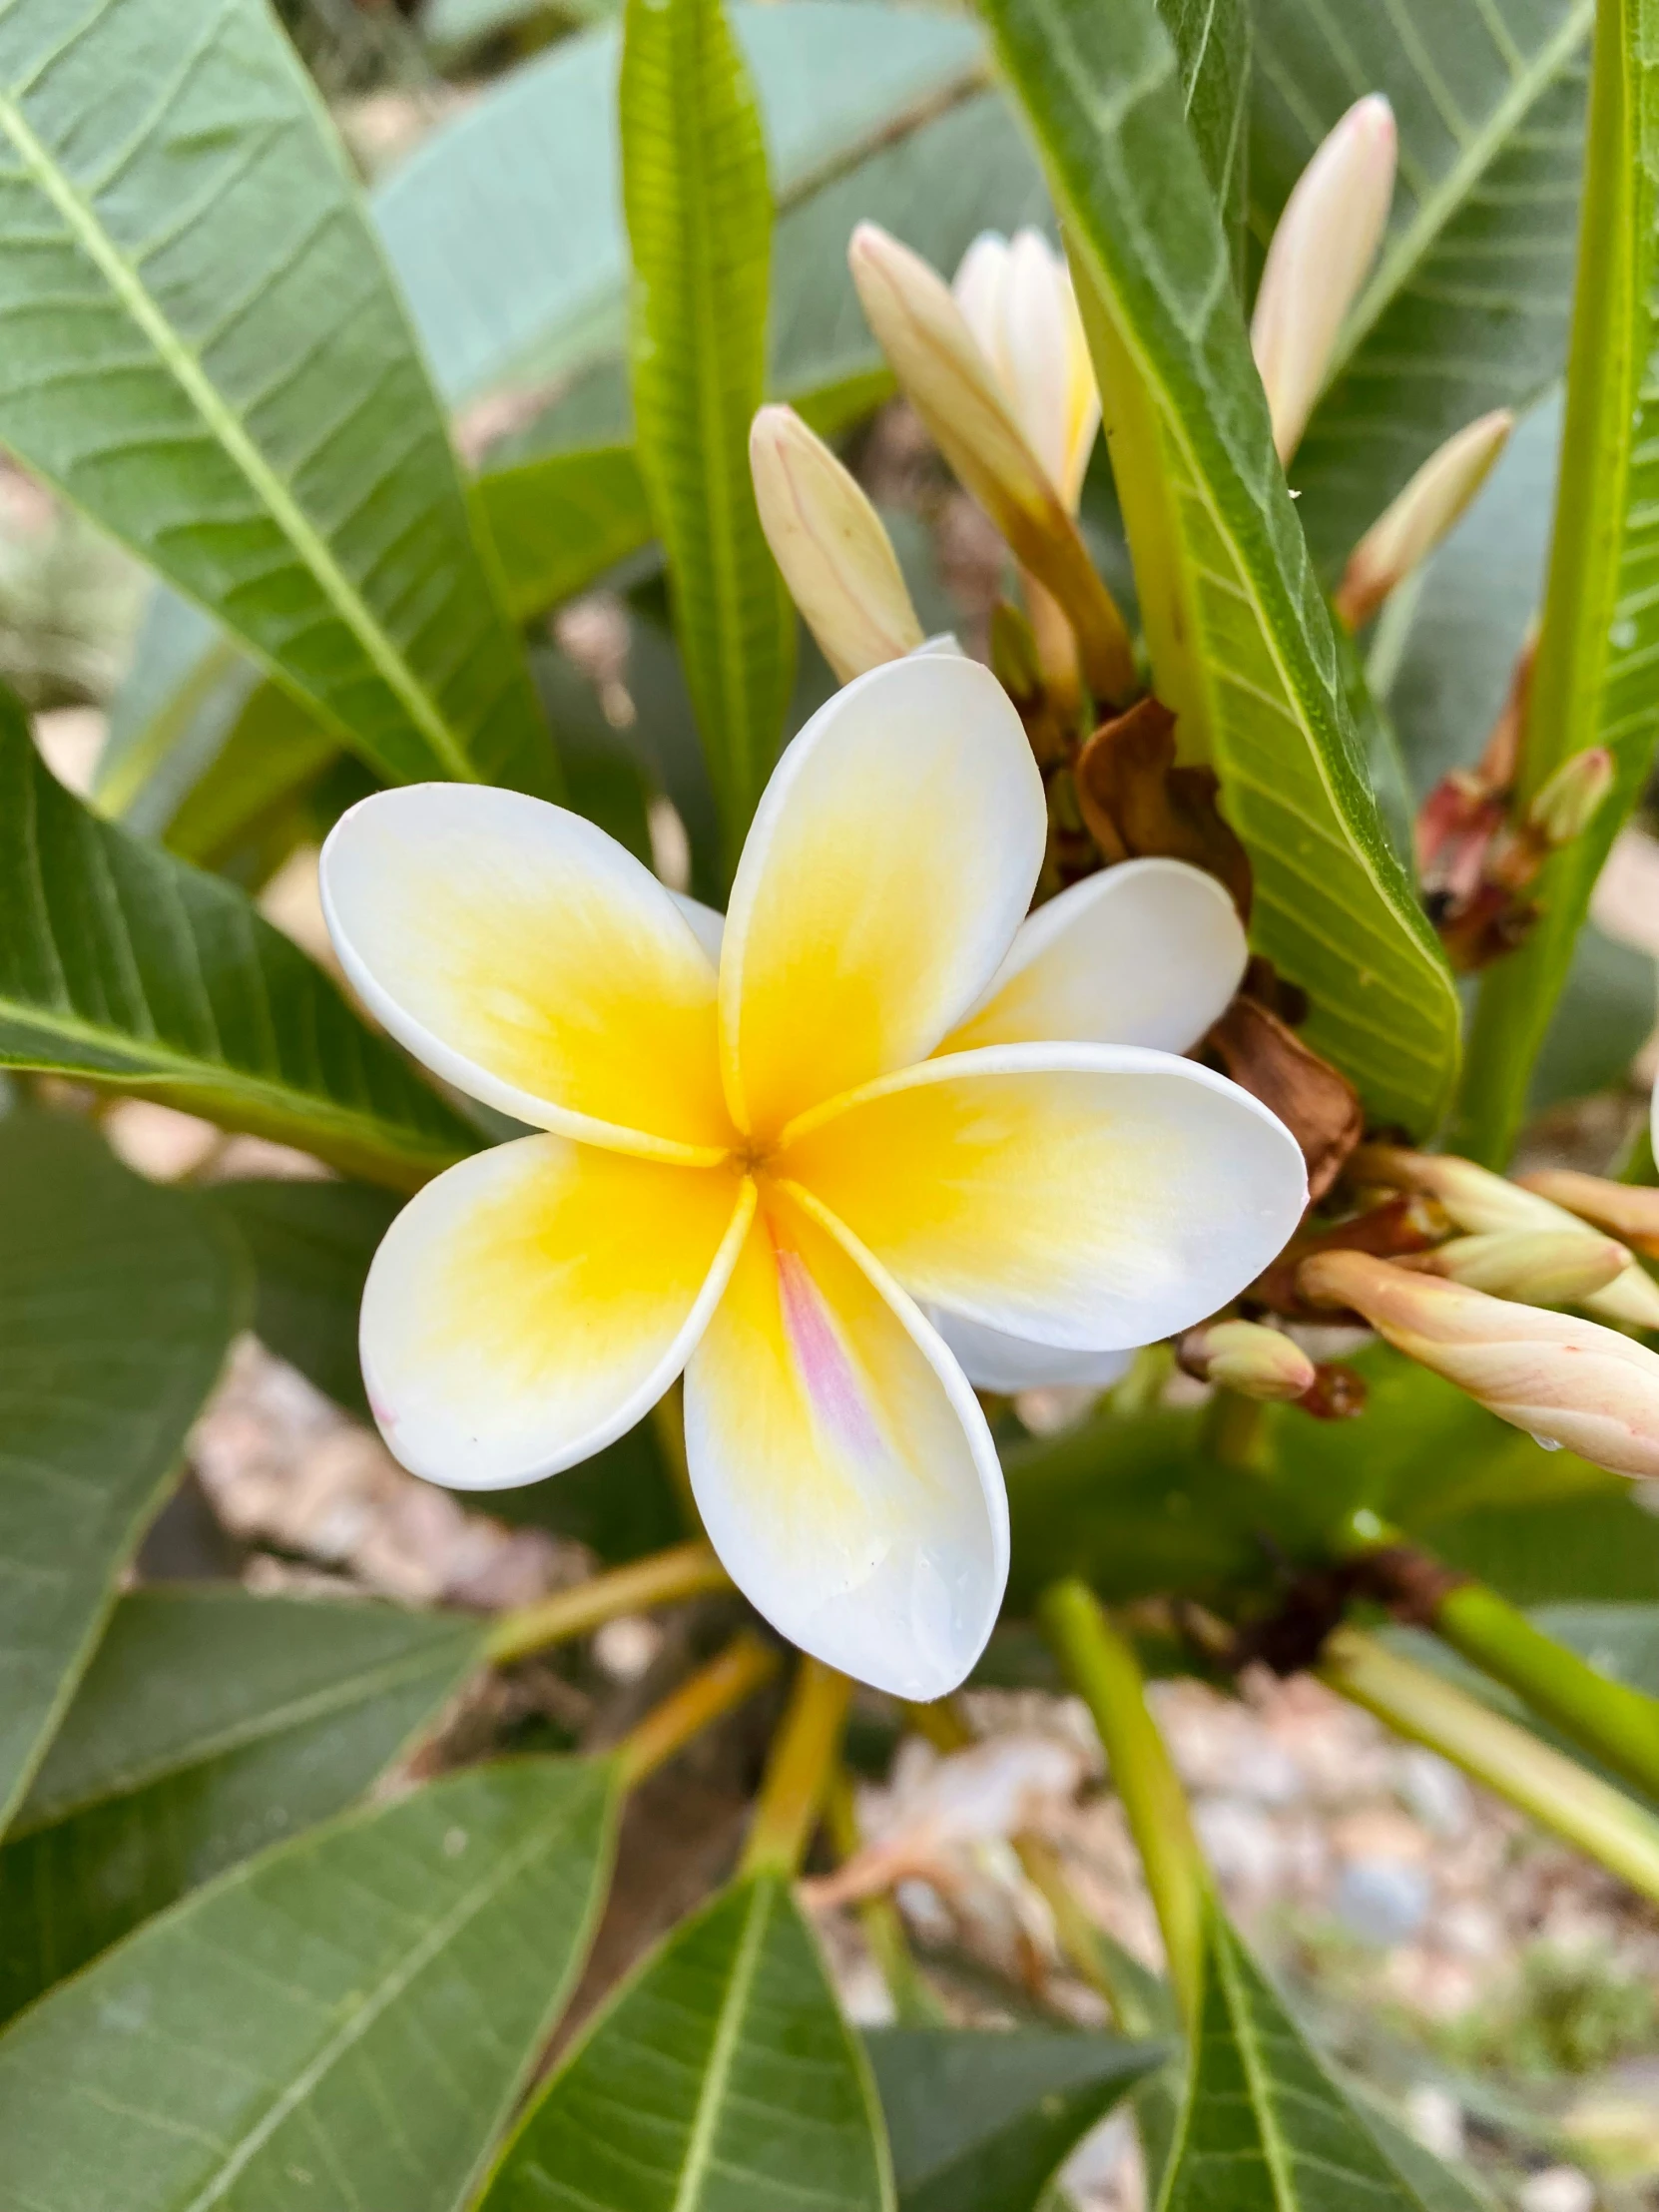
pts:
pixel 980 287
pixel 842 1464
pixel 890 861
pixel 1089 1196
pixel 993 1361
pixel 530 961
pixel 1149 952
pixel 534 1302
pixel 707 925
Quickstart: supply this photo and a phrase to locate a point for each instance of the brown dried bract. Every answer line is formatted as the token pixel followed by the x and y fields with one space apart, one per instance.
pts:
pixel 1137 803
pixel 1400 1225
pixel 1320 1108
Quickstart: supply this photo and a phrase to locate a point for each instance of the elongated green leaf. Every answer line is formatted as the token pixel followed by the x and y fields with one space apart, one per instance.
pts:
pixel 1212 40
pixel 1239 638
pixel 1594 681
pixel 978 2121
pixel 1467 307
pixel 202 348
pixel 209 1725
pixel 311 1245
pixel 122 965
pixel 118 1302
pixel 349 2016
pixel 694 177
pixel 1265 2125
pixel 719 2078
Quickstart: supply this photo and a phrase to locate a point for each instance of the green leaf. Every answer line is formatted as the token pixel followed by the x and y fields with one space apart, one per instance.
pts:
pixel 1593 683
pixel 118 1302
pixel 208 1724
pixel 119 965
pixel 719 2078
pixel 1467 307
pixel 346 2018
pixel 562 519
pixel 1605 1016
pixel 202 348
pixel 693 180
pixel 311 1245
pixel 978 2121
pixel 1212 40
pixel 1239 638
pixel 1266 2125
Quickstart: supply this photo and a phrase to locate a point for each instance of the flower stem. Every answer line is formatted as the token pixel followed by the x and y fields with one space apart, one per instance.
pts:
pixel 1235 1430
pixel 1530 1775
pixel 1104 1671
pixel 685 1571
pixel 739 1671
pixel 804 1753
pixel 914 2003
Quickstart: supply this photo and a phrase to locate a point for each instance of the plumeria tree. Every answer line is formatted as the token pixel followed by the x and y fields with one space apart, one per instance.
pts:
pixel 1146 998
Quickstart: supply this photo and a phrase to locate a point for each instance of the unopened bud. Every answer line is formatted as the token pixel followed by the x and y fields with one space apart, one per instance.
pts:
pixel 1321 254
pixel 1572 798
pixel 1408 530
pixel 1564 1380
pixel 957 394
pixel 1486 1203
pixel 1542 1266
pixel 1016 298
pixel 1628 1210
pixel 828 541
pixel 1243 1356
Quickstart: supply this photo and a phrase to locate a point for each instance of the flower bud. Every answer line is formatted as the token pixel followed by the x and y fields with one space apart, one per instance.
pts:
pixel 1566 1381
pixel 1544 1267
pixel 828 541
pixel 1321 254
pixel 1572 798
pixel 1016 298
pixel 1628 1210
pixel 957 394
pixel 1410 527
pixel 1243 1356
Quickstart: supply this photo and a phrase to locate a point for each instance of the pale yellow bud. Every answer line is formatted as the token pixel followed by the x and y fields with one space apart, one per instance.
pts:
pixel 1486 1203
pixel 1545 1267
pixel 1243 1356
pixel 828 541
pixel 960 399
pixel 1321 254
pixel 1408 530
pixel 1630 1210
pixel 1016 298
pixel 1565 1380
pixel 1573 797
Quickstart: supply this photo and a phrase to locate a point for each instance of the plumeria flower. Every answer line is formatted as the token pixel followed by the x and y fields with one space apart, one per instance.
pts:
pixel 1017 299
pixel 760 1169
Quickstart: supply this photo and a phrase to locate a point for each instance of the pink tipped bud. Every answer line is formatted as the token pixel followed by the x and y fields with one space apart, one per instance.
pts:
pixel 1319 257
pixel 828 541
pixel 1245 1357
pixel 1572 798
pixel 1566 1381
pixel 1542 1266
pixel 1413 524
pixel 1628 1210
pixel 959 396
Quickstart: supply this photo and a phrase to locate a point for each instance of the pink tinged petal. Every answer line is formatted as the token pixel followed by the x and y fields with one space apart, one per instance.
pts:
pixel 842 1464
pixel 1149 953
pixel 527 958
pixel 1089 1197
pixel 993 1361
pixel 890 861
pixel 534 1303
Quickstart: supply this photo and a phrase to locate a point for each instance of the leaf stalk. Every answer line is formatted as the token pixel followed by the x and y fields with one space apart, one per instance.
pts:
pixel 688 1570
pixel 803 1755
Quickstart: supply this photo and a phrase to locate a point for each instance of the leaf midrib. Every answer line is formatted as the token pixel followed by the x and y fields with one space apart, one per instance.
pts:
pixel 733 2008
pixel 234 439
pixel 1415 243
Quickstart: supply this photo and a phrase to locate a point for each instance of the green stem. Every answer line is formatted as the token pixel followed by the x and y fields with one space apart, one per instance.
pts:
pixel 803 1755
pixel 1533 1777
pixel 1235 1431
pixel 1104 1671
pixel 914 2003
pixel 738 1673
pixel 687 1571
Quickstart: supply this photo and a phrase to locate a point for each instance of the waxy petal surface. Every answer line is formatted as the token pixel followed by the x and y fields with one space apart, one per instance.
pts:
pixel 888 866
pixel 1148 953
pixel 842 1464
pixel 530 961
pixel 993 1361
pixel 534 1302
pixel 1091 1197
